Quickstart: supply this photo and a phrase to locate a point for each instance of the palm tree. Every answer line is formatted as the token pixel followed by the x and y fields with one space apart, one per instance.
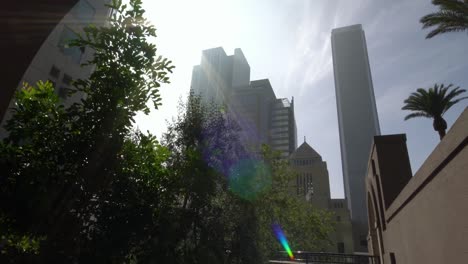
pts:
pixel 452 17
pixel 433 103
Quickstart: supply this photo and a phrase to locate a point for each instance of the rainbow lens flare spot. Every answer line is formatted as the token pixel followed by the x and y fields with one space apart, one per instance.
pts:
pixel 249 178
pixel 282 239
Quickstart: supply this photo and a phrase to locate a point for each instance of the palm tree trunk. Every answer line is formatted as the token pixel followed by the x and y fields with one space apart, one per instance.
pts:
pixel 440 126
pixel 441 133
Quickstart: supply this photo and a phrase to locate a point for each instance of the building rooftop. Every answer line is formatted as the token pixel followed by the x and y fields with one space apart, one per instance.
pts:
pixel 347 28
pixel 306 150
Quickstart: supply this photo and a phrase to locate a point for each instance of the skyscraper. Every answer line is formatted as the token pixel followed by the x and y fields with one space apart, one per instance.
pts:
pixel 357 118
pixel 263 118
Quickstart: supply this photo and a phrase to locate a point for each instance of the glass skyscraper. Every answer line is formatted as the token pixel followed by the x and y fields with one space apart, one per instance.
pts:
pixel 263 118
pixel 357 118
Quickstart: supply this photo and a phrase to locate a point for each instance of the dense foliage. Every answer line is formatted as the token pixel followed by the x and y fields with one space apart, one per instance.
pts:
pixel 79 185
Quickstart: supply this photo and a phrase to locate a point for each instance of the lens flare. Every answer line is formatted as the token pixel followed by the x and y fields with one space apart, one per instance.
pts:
pixel 282 239
pixel 249 178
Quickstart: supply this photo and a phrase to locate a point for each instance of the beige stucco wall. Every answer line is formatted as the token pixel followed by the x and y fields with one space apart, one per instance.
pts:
pixel 428 221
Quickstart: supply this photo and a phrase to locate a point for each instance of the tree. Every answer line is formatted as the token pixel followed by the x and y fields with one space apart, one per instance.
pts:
pixel 230 197
pixel 306 227
pixel 452 17
pixel 433 103
pixel 56 161
pixel 203 144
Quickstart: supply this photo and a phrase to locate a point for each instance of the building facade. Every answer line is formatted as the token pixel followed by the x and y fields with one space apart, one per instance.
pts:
pixel 421 218
pixel 283 130
pixel 22 38
pixel 56 61
pixel 263 118
pixel 312 183
pixel 357 118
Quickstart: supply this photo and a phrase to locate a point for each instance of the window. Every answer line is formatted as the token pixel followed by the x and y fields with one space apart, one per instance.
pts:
pixel 338 218
pixel 53 83
pixel 310 188
pixel 54 72
pixel 84 11
pixel 66 36
pixel 374 172
pixel 297 185
pixel 363 241
pixel 340 247
pixel 63 92
pixel 67 79
pixel 392 258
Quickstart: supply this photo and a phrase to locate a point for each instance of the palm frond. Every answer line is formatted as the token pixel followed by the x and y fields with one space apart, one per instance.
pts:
pixel 432 102
pixel 452 17
pixel 417 114
pixel 452 103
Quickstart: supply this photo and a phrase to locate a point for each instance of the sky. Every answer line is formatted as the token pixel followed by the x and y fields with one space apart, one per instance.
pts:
pixel 288 42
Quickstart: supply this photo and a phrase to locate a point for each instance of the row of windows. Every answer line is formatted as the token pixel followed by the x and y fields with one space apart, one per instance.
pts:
pixel 279 129
pixel 281 147
pixel 55 78
pixel 303 162
pixel 304 184
pixel 338 205
pixel 280 142
pixel 280 118
pixel 279 135
pixel 280 123
pixel 279 111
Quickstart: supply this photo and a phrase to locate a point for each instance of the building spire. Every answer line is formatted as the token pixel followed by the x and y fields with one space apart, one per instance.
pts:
pixel 305 139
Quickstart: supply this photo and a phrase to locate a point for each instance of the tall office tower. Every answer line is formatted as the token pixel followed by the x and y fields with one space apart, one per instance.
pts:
pixel 357 118
pixel 262 117
pixel 59 63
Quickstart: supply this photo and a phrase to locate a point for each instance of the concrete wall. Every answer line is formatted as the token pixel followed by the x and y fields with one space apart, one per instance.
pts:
pixel 427 221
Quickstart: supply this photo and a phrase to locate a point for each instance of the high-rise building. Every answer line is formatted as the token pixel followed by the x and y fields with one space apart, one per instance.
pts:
pixel 283 130
pixel 56 61
pixel 357 118
pixel 312 183
pixel 263 118
pixel 218 75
